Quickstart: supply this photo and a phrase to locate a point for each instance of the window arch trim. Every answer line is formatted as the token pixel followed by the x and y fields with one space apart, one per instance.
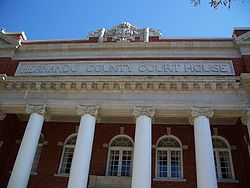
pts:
pixel 118 136
pixel 224 140
pixel 169 136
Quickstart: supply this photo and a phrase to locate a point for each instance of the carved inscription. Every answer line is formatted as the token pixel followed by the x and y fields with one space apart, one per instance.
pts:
pixel 167 67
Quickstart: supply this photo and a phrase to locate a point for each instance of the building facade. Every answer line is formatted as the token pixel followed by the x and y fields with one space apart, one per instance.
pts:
pixel 125 108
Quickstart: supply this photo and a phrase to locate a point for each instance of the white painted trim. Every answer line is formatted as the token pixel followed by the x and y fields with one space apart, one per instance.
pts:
pixel 120 135
pixel 241 28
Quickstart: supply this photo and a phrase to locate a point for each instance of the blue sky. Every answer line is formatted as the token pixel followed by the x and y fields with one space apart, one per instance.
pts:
pixel 73 19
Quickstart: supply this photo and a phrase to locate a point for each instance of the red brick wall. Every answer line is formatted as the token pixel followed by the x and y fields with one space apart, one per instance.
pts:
pixel 8 130
pixel 239 66
pixel 246 60
pixel 4 64
pixel 58 132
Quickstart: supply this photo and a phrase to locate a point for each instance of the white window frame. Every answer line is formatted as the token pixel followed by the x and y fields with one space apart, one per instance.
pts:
pixel 217 158
pixel 65 145
pixel 169 149
pixel 121 149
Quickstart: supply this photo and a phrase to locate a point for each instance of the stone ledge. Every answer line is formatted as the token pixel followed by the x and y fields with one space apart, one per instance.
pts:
pixel 170 179
pixel 109 181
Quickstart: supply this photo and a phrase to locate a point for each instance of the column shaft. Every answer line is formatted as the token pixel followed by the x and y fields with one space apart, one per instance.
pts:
pixel 141 175
pixel 82 154
pixel 205 166
pixel 21 171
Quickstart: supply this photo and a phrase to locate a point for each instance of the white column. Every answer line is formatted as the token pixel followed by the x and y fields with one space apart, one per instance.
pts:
pixel 21 171
pixel 205 165
pixel 79 170
pixel 141 174
pixel 246 121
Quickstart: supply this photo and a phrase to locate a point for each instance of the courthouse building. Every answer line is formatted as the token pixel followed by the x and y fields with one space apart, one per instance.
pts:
pixel 125 108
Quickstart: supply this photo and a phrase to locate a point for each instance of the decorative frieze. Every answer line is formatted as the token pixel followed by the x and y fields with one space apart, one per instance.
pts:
pixel 144 111
pixel 2 115
pixel 40 109
pixel 85 109
pixel 196 112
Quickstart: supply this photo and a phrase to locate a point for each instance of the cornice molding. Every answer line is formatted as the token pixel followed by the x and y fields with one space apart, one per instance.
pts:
pixel 86 109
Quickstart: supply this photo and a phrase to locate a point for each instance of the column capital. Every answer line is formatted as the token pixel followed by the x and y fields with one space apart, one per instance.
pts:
pixel 87 109
pixel 245 118
pixel 2 115
pixel 144 111
pixel 206 111
pixel 40 109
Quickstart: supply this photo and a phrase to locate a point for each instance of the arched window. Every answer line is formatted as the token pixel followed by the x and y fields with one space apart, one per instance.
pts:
pixel 169 158
pixel 67 154
pixel 37 155
pixel 120 156
pixel 222 158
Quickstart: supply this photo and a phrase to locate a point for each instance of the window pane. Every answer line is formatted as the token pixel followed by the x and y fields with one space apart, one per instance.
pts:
pixel 226 171
pixel 175 164
pixel 67 160
pixel 126 163
pixel 162 166
pixel 113 163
